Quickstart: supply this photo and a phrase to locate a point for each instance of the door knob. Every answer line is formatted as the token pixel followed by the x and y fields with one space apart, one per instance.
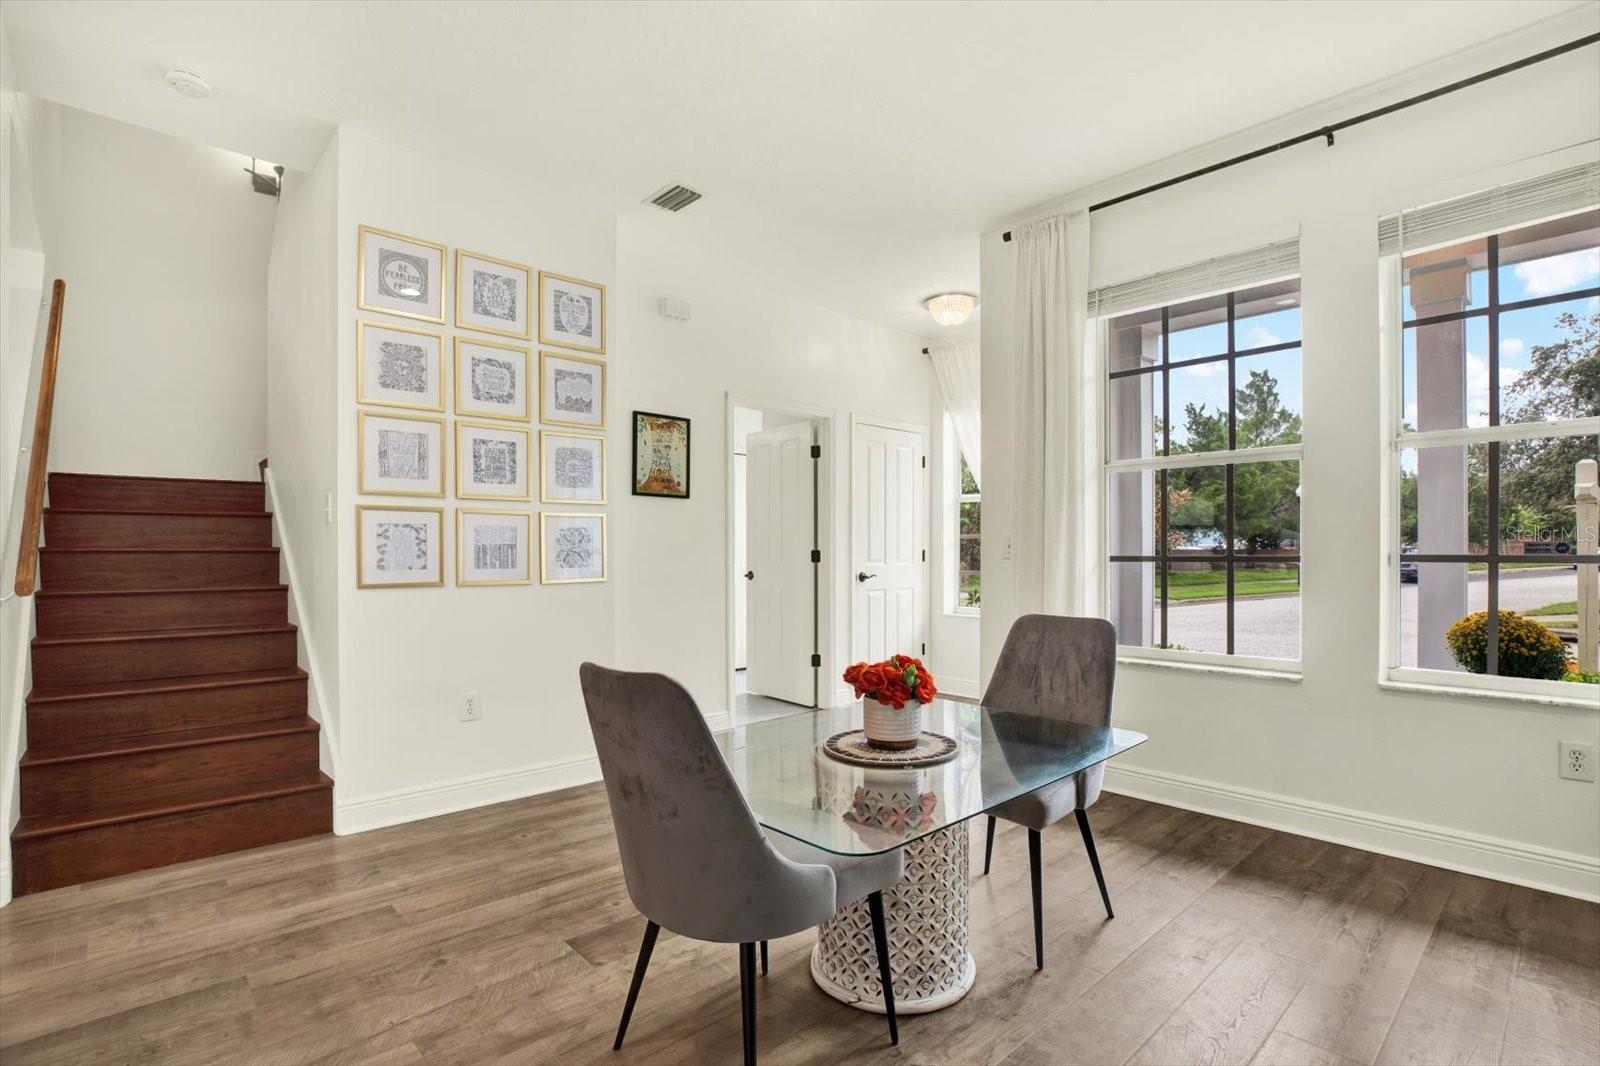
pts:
pixel 864 576
pixel 749 575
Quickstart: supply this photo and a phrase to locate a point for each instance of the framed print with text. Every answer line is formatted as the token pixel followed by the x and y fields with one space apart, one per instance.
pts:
pixel 572 312
pixel 572 391
pixel 492 547
pixel 492 462
pixel 572 547
pixel 492 295
pixel 400 275
pixel 399 547
pixel 492 380
pixel 397 366
pixel 572 467
pixel 660 455
pixel 399 455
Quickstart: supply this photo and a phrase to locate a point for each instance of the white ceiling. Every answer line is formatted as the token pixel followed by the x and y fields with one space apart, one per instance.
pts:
pixel 849 152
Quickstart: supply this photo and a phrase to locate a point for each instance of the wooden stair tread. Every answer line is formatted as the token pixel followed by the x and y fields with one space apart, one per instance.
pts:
pixel 142 477
pixel 154 550
pixel 198 682
pixel 184 591
pixel 164 634
pixel 32 827
pixel 100 748
pixel 163 512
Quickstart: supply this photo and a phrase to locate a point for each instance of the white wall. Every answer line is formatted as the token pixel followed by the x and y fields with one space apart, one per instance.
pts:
pixel 1469 782
pixel 408 657
pixel 302 420
pixel 164 249
pixel 672 573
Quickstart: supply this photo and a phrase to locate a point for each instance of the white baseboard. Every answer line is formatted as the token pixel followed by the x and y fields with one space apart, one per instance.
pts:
pixel 445 797
pixel 5 882
pixel 1564 872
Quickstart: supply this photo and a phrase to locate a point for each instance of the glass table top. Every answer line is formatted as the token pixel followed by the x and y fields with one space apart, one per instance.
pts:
pixel 796 789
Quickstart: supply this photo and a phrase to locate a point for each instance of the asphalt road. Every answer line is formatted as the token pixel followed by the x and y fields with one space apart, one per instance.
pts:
pixel 1270 626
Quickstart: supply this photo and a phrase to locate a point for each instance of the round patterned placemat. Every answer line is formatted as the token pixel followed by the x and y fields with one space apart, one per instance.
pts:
pixel 851 747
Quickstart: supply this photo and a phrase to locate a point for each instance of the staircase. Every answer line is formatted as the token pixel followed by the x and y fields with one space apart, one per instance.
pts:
pixel 167 720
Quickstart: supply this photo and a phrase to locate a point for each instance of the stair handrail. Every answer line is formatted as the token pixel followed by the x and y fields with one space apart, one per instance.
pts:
pixel 39 452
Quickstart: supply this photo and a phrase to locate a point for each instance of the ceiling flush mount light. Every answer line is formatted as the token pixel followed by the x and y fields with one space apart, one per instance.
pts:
pixel 951 308
pixel 188 82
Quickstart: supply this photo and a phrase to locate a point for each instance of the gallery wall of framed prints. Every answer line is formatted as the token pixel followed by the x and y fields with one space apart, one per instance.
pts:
pixel 473 391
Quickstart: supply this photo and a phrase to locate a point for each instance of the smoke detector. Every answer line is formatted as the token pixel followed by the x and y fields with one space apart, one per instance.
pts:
pixel 188 82
pixel 674 198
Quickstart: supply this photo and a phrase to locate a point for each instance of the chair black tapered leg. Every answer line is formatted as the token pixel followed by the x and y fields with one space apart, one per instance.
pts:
pixel 747 999
pixel 763 958
pixel 1094 859
pixel 645 948
pixel 880 941
pixel 1038 898
pixel 988 846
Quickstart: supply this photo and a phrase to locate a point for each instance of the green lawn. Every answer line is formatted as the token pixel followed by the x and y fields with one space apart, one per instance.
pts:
pixel 1188 585
pixel 1568 608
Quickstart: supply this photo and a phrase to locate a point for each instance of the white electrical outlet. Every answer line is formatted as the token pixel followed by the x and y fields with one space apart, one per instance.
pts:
pixel 472 709
pixel 1577 761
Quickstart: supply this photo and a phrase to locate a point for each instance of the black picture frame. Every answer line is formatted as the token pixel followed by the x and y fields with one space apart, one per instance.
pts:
pixel 634 478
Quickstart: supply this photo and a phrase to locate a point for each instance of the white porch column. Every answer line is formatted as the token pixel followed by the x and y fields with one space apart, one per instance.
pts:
pixel 1587 492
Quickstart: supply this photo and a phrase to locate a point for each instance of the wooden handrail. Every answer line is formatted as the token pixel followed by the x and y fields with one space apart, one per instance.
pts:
pixel 39 455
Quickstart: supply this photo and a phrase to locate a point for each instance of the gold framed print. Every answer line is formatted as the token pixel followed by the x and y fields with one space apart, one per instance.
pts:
pixel 572 391
pixel 572 312
pixel 492 462
pixel 492 380
pixel 399 455
pixel 492 295
pixel 397 366
pixel 572 467
pixel 400 275
pixel 399 547
pixel 572 547
pixel 492 547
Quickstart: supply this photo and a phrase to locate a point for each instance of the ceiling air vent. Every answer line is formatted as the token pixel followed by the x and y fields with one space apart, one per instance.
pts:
pixel 674 198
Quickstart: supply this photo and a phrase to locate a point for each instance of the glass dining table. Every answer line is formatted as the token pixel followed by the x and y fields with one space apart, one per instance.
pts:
pixel 799 790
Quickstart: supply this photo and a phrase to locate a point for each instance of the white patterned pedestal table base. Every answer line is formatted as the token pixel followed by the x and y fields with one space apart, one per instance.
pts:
pixel 927 918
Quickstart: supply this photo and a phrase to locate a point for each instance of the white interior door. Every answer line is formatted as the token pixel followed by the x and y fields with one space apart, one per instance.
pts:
pixel 889 537
pixel 780 532
pixel 741 563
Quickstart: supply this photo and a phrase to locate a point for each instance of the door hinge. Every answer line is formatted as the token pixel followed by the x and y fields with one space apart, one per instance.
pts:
pixel 816 660
pixel 816 555
pixel 924 647
pixel 816 451
pixel 924 554
pixel 924 462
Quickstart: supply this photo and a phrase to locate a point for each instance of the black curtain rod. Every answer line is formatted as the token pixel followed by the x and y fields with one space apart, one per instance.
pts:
pixel 1327 132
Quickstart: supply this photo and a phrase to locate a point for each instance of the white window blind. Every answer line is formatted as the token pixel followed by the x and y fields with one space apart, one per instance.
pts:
pixel 1225 273
pixel 1558 193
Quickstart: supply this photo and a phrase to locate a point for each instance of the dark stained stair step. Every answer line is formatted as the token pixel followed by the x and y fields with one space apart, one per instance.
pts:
pixel 81 613
pixel 109 657
pixel 64 528
pixel 54 852
pixel 125 777
pixel 124 710
pixel 105 569
pixel 115 492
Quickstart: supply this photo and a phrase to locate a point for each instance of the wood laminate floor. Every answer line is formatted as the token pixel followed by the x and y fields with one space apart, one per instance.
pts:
pixel 505 935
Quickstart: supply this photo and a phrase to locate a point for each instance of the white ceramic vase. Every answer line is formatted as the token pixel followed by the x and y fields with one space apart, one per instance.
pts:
pixel 886 727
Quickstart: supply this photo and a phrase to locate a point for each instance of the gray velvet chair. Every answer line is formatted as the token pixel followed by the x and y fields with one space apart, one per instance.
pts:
pixel 1063 668
pixel 693 856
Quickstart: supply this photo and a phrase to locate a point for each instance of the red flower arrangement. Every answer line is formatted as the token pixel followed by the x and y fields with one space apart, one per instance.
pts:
pixel 896 681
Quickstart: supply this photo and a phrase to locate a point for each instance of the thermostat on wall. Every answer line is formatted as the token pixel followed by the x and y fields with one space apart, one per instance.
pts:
pixel 678 309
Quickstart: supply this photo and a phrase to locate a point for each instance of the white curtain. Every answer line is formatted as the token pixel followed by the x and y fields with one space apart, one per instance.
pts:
pixel 957 368
pixel 1057 507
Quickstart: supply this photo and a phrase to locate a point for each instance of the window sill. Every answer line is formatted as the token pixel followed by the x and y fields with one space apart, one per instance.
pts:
pixel 962 612
pixel 1587 697
pixel 1290 674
